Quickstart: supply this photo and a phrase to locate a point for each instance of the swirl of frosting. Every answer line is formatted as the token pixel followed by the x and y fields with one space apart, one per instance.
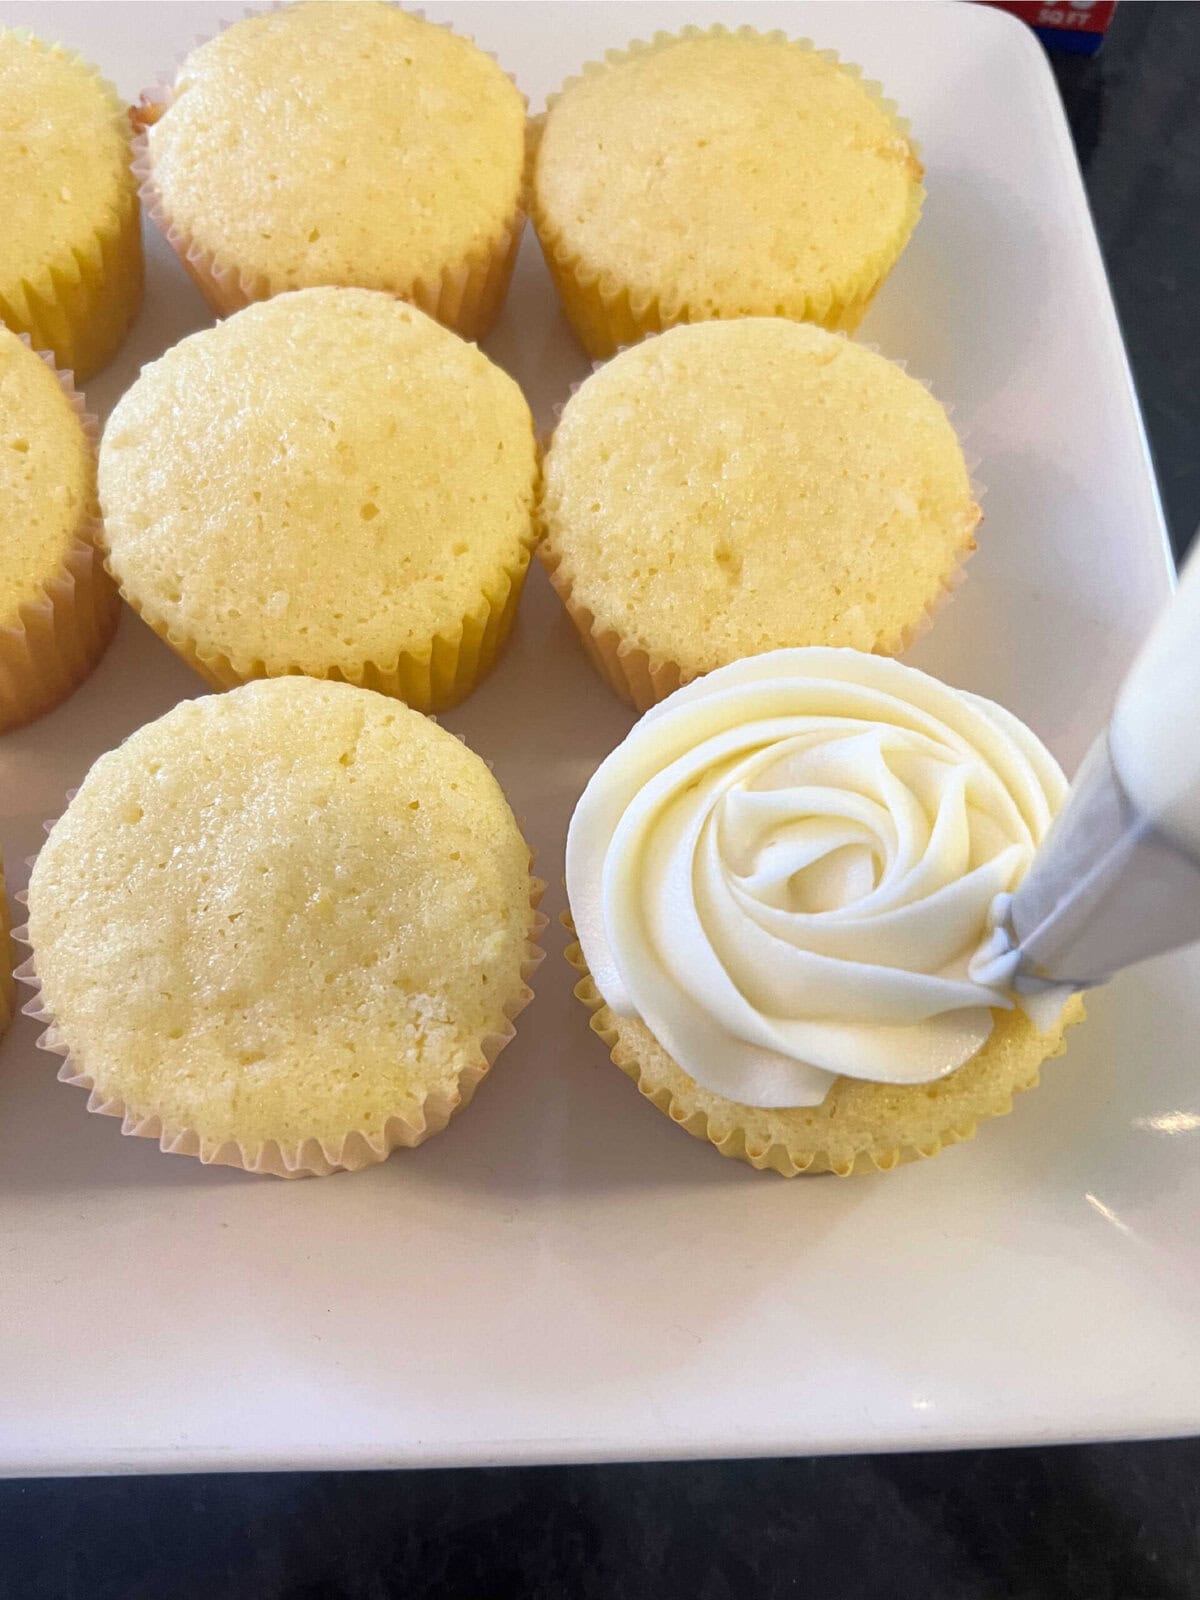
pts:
pixel 788 867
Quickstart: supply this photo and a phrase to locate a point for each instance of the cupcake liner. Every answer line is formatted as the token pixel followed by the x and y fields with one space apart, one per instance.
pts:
pixel 466 296
pixel 727 1131
pixel 61 634
pixel 641 679
pixel 8 989
pixel 630 672
pixel 433 680
pixel 309 1158
pixel 80 307
pixel 606 313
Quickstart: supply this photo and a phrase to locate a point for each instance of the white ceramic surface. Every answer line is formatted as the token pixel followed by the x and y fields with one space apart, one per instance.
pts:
pixel 563 1274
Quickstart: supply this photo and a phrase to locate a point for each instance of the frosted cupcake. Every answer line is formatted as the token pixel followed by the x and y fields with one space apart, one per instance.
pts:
pixel 286 928
pixel 341 144
pixel 784 883
pixel 57 606
pixel 717 174
pixel 71 244
pixel 327 483
pixel 736 487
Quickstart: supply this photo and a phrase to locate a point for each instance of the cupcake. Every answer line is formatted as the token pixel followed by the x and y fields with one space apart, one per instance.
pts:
pixel 328 483
pixel 340 144
pixel 285 929
pixel 735 487
pixel 7 996
pixel 71 245
pixel 784 884
pixel 57 606
pixel 717 174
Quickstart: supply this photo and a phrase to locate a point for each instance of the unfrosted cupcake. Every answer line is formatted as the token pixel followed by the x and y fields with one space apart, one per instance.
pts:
pixel 717 174
pixel 286 928
pixel 341 144
pixel 328 483
pixel 57 605
pixel 782 881
pixel 71 242
pixel 735 487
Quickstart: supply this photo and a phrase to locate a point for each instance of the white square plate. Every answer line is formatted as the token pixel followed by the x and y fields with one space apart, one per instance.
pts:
pixel 563 1275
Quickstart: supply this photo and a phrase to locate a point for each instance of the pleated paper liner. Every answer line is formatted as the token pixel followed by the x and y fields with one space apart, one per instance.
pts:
pixel 433 680
pixel 59 635
pixel 81 305
pixel 308 1158
pixel 467 295
pixel 641 679
pixel 8 995
pixel 859 1127
pixel 607 313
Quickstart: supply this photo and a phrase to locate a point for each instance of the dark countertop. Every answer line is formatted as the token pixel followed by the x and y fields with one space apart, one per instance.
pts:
pixel 1108 1522
pixel 1135 113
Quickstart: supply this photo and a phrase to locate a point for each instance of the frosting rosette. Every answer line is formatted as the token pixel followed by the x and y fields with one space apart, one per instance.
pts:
pixel 788 867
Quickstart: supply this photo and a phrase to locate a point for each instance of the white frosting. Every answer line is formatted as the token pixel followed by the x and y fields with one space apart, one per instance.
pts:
pixel 788 867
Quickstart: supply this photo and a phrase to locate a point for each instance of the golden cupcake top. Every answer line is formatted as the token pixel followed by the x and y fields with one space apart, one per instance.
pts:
pixel 327 479
pixel 332 143
pixel 47 476
pixel 291 911
pixel 730 487
pixel 64 161
pixel 725 174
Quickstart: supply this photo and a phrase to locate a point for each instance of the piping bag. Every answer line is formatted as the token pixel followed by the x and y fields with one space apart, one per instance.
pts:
pixel 1117 878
